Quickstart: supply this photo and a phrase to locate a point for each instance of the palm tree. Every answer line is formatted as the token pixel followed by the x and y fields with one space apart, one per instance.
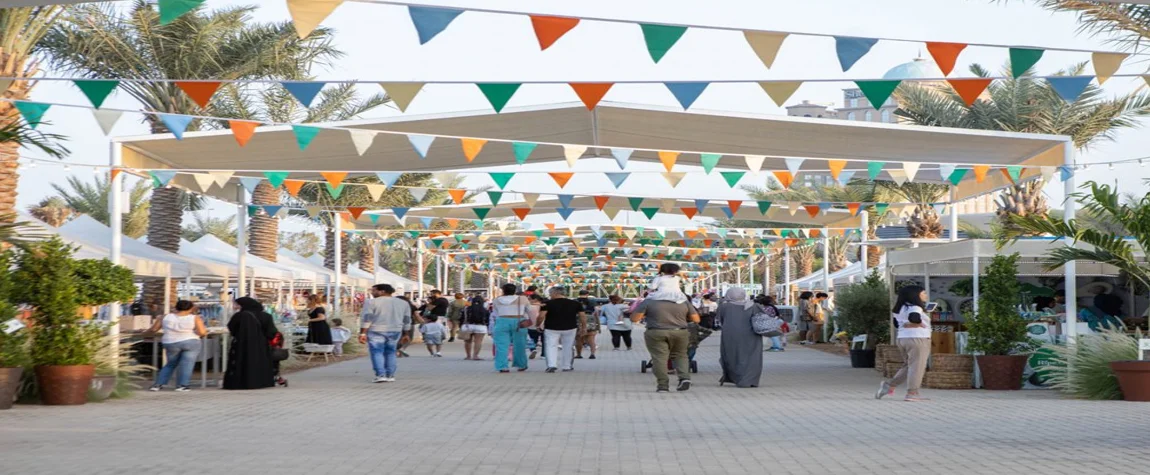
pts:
pixel 924 222
pixel 20 29
pixel 53 211
pixel 92 199
pixel 105 41
pixel 1128 24
pixel 836 254
pixel 303 243
pixel 856 191
pixel 1025 104
pixel 1131 220
pixel 203 225
pixel 803 258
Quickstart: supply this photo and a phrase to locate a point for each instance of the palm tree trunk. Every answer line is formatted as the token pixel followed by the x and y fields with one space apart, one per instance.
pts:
pixel 263 232
pixel 924 223
pixel 329 250
pixel 165 216
pixel 10 152
pixel 367 256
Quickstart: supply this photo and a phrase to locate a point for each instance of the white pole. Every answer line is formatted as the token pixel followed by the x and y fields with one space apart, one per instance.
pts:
pixel 826 261
pixel 1070 268
pixel 461 286
pixel 926 277
pixel 787 273
pixel 751 267
pixel 378 245
pixel 338 261
pixel 419 269
pixel 241 241
pixel 864 226
pixel 974 278
pixel 168 292
pixel 188 287
pixel 439 272
pixel 953 213
pixel 767 271
pixel 115 221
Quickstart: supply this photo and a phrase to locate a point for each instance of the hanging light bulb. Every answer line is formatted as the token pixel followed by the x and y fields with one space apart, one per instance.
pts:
pixel 1141 162
pixel 67 167
pixel 1111 166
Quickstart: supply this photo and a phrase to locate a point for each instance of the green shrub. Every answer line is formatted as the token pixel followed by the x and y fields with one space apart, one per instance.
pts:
pixel 1083 370
pixel 998 328
pixel 100 282
pixel 13 346
pixel 47 281
pixel 864 309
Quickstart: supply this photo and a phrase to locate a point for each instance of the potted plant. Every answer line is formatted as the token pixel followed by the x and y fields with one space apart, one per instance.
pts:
pixel 13 338
pixel 864 309
pixel 998 332
pixel 63 347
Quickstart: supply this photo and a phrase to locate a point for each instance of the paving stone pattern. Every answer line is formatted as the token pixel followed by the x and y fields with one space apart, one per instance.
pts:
pixel 813 415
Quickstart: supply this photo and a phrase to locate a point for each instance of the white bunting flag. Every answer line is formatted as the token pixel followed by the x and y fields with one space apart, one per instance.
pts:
pixel 203 181
pixel 754 162
pixel 376 191
pixel 572 153
pixel 911 169
pixel 362 139
pixel 106 118
pixel 417 193
pixel 221 177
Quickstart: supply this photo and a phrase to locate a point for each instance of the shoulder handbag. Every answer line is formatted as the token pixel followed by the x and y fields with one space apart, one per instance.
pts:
pixel 525 320
pixel 762 322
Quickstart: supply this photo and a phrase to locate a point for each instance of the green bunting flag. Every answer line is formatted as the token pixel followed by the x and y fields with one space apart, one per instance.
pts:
pixel 957 175
pixel 650 212
pixel 494 196
pixel 881 208
pixel 334 191
pixel 732 177
pixel 304 134
pixel 709 161
pixel 635 202
pixel 873 169
pixel 1022 59
pixel 96 90
pixel 764 206
pixel 481 213
pixel 522 151
pixel 276 178
pixel 501 179
pixel 498 93
pixel 172 9
pixel 660 38
pixel 1015 172
pixel 33 112
pixel 877 92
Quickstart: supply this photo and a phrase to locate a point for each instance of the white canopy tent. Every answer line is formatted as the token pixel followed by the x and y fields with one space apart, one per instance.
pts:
pixel 140 266
pixel 88 232
pixel 211 247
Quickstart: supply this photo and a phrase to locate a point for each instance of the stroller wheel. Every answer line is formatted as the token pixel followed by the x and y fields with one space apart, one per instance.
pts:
pixel 694 367
pixel 643 366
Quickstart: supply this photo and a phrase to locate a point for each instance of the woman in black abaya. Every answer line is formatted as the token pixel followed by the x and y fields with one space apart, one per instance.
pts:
pixel 250 364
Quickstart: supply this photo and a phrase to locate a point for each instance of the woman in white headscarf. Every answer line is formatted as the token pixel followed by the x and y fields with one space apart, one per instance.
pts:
pixel 741 351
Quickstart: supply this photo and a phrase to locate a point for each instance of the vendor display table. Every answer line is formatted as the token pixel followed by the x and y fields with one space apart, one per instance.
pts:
pixel 214 346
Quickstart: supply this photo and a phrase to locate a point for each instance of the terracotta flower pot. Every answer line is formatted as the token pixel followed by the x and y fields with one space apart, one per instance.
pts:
pixel 9 383
pixel 64 385
pixel 1002 372
pixel 1133 378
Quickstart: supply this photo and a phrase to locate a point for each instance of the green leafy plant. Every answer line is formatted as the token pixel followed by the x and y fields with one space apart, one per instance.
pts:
pixel 13 346
pixel 1083 370
pixel 998 329
pixel 864 309
pixel 46 273
pixel 100 282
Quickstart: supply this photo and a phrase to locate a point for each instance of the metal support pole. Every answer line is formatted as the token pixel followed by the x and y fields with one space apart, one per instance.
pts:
pixel 767 272
pixel 439 272
pixel 1070 268
pixel 826 261
pixel 864 227
pixel 461 286
pixel 787 274
pixel 953 213
pixel 241 241
pixel 419 269
pixel 338 234
pixel 188 287
pixel 168 293
pixel 378 245
pixel 115 221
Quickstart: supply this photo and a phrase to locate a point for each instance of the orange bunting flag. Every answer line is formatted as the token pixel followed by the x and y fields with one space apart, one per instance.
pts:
pixel 668 159
pixel 836 167
pixel 689 211
pixel 591 92
pixel 791 242
pixel 549 226
pixel 471 148
pixel 601 201
pixel 853 208
pixel 452 222
pixel 356 211
pixel 293 187
pixel 622 241
pixel 561 178
pixel 243 130
pixel 814 233
pixel 528 240
pixel 812 210
pixel 785 178
pixel 980 172
pixel 945 55
pixel 200 92
pixel 457 195
pixel 691 234
pixel 549 29
pixel 969 89
pixel 1006 173
pixel 734 205
pixel 334 178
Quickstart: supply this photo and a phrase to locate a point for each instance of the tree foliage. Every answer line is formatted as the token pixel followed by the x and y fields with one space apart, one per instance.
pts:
pixel 100 282
pixel 998 328
pixel 91 198
pixel 203 225
pixel 864 309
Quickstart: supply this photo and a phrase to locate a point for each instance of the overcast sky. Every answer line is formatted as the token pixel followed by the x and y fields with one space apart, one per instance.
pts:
pixel 380 44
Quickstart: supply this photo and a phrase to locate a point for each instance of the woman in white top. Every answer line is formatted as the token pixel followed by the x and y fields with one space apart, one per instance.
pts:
pixel 509 309
pixel 913 324
pixel 182 333
pixel 617 322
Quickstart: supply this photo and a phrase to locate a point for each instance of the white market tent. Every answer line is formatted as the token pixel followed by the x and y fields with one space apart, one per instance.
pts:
pixel 140 266
pixel 853 272
pixel 211 247
pixel 88 232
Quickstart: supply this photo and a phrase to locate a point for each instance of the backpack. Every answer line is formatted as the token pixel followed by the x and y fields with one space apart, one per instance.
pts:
pixel 766 321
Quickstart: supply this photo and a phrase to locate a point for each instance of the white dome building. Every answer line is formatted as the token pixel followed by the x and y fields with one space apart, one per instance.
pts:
pixel 857 107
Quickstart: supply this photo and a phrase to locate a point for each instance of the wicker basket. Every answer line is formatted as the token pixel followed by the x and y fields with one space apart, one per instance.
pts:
pixel 888 354
pixel 951 363
pixel 890 369
pixel 946 380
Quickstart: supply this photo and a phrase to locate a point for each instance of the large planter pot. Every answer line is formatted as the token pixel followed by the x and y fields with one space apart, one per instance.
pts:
pixel 1133 378
pixel 9 383
pixel 101 387
pixel 64 385
pixel 1002 372
pixel 862 358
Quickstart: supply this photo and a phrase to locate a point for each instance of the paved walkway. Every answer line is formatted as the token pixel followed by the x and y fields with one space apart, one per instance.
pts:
pixel 813 415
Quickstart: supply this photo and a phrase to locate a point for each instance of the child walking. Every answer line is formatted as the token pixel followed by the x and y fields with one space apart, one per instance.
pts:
pixel 433 335
pixel 667 285
pixel 339 335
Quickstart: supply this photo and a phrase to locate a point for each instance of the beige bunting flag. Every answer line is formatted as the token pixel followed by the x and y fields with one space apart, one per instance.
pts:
pixel 402 93
pixel 765 45
pixel 780 91
pixel 1106 64
pixel 306 15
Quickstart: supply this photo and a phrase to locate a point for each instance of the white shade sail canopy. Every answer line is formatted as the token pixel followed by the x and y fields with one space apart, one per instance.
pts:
pixel 211 247
pixel 93 234
pixel 86 249
pixel 956 258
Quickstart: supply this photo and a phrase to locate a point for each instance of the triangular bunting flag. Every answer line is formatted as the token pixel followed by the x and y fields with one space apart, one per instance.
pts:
pixel 732 178
pixel 203 180
pixel 668 159
pixel 565 200
pixel 334 191
pixel 561 178
pixel 591 92
pixel 572 153
pixel 853 208
pixel 173 9
pixel 635 203
pixel 293 187
pixel 898 176
pixel 764 206
pixel 457 195
pixel 472 147
pixel 1065 172
pixel 494 196
pixel 780 91
pixel 176 124
pixel 660 38
pixel 673 178
pixel 481 213
pixel 1069 88
pixel 877 92
pixel 376 191
pixel 686 92
pixel 362 139
pixel 911 169
pixel 430 21
pixel 709 160
pixel 354 211
pixel 734 205
pixel 617 179
pixel 754 162
pixel 784 177
pixel 530 199
pixel 601 201
pixel 812 210
pixel 564 213
pixel 304 92
pixel 1012 173
pixel 728 212
pixel 793 165
pixel 836 167
pixel 650 212
pixel 621 155
pixel 689 211
pixel 945 55
pixel 1022 59
pixel 501 178
pixel 765 45
pixel 845 177
pixel 200 92
pixel 549 29
pixel 945 170
pixel 421 143
pixel 701 205
pixel 243 130
pixel 400 212
pixel 498 94
pixel 402 93
pixel 1047 173
pixel 275 179
pixel 980 172
pixel 956 176
pixel 873 169
pixel 521 212
pixel 106 119
pixel 333 178
pixel 1106 64
pixel 851 49
pixel 969 89
pixel 522 150
pixel 160 178
pixel 306 15
pixel 304 134
pixel 96 90
pixel 388 179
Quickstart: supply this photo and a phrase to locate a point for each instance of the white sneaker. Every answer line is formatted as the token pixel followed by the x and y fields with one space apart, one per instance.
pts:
pixel 389 380
pixel 379 379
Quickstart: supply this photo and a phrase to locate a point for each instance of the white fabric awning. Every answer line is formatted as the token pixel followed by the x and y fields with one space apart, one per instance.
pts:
pixel 957 258
pixel 94 234
pixel 211 247
pixel 87 249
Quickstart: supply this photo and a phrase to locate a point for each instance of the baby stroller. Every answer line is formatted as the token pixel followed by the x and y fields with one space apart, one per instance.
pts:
pixel 698 334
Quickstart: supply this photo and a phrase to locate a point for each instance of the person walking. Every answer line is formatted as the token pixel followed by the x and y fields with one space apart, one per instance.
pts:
pixel 741 349
pixel 561 319
pixel 410 333
pixel 913 326
pixel 617 322
pixel 509 310
pixel 667 337
pixel 772 312
pixel 586 336
pixel 476 318
pixel 250 364
pixel 808 318
pixel 455 314
pixel 182 332
pixel 386 321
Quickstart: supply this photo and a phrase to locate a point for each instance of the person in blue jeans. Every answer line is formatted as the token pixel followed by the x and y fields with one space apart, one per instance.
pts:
pixel 386 319
pixel 510 309
pixel 181 340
